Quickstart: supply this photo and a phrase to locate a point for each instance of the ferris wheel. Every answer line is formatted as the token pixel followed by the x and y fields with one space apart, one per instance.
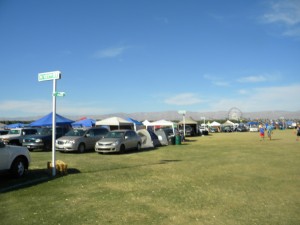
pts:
pixel 234 114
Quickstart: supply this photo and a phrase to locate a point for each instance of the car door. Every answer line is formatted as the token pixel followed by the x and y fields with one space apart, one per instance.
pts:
pixel 129 138
pixel 4 157
pixel 89 139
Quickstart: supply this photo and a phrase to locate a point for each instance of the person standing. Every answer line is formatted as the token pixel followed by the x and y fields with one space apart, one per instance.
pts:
pixel 298 132
pixel 262 132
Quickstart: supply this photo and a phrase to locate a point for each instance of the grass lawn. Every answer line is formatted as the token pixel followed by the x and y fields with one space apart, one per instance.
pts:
pixel 226 178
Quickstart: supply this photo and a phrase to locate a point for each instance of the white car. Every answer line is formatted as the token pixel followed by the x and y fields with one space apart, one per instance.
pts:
pixel 14 159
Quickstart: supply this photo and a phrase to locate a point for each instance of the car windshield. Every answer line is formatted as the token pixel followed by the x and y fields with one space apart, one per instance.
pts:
pixel 76 132
pixel 14 132
pixel 115 134
pixel 44 131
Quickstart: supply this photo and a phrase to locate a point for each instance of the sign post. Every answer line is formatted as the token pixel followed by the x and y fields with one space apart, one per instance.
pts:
pixel 183 112
pixel 54 75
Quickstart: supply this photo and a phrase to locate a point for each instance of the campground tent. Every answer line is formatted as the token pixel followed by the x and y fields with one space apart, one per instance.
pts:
pixel 192 123
pixel 164 123
pixel 228 123
pixel 14 125
pixel 84 123
pixel 137 124
pixel 149 138
pixel 115 123
pixel 215 125
pixel 47 121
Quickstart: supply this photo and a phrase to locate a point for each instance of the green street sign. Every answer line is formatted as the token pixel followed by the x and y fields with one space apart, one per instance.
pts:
pixel 54 75
pixel 59 94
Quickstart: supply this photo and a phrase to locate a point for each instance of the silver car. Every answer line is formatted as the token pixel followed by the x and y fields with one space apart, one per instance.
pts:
pixel 119 141
pixel 80 139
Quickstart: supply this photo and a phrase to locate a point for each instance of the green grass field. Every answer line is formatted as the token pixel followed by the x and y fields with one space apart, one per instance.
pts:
pixel 225 178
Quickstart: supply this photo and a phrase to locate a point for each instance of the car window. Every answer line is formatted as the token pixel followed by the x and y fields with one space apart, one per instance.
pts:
pixel 44 131
pixel 100 131
pixel 75 132
pixel 14 132
pixel 115 134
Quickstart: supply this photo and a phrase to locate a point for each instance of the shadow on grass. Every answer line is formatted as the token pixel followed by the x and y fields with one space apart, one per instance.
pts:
pixel 32 178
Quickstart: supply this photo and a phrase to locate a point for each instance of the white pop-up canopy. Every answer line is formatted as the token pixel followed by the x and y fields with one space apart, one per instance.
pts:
pixel 165 123
pixel 114 121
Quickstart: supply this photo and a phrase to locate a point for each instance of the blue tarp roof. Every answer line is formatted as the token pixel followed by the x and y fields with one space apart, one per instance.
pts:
pixel 14 125
pixel 84 123
pixel 134 121
pixel 47 121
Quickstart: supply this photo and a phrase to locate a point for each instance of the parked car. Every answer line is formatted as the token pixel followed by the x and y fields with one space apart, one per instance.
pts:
pixel 2 132
pixel 189 131
pixel 80 139
pixel 14 159
pixel 16 135
pixel 227 129
pixel 203 130
pixel 119 141
pixel 253 128
pixel 43 138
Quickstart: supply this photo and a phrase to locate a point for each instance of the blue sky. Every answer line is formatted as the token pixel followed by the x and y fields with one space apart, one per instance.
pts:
pixel 149 56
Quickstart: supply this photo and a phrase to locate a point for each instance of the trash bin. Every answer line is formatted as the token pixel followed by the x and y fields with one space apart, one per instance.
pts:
pixel 178 140
pixel 172 140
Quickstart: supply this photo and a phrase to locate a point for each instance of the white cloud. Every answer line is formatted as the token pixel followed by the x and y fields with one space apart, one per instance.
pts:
pixel 259 99
pixel 252 79
pixel 287 13
pixel 184 99
pixel 110 52
pixel 216 80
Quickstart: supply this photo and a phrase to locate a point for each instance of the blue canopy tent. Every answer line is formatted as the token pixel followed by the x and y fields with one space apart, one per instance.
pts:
pixel 84 123
pixel 135 123
pixel 47 121
pixel 14 125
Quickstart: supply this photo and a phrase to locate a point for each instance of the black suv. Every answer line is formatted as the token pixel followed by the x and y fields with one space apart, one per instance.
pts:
pixel 43 138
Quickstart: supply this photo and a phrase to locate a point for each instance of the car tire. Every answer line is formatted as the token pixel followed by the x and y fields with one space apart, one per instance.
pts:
pixel 81 148
pixel 18 167
pixel 138 147
pixel 122 148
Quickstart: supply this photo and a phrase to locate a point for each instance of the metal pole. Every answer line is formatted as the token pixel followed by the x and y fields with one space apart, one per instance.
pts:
pixel 184 125
pixel 53 128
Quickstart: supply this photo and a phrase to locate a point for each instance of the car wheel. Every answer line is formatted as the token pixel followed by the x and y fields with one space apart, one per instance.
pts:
pixel 138 147
pixel 122 148
pixel 81 148
pixel 18 167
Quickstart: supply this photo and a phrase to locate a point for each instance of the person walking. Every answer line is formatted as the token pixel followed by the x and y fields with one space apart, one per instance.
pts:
pixel 270 131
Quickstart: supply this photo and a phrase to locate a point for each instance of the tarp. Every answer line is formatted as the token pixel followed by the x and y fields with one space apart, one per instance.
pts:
pixel 47 121
pixel 137 124
pixel 114 121
pixel 14 125
pixel 188 121
pixel 84 123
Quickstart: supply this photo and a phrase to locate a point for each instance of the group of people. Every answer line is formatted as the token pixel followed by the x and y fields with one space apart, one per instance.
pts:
pixel 269 129
pixel 262 131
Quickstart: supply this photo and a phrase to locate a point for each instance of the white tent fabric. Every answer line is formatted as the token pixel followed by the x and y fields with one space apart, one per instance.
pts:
pixel 215 124
pixel 147 123
pixel 165 123
pixel 113 121
pixel 228 123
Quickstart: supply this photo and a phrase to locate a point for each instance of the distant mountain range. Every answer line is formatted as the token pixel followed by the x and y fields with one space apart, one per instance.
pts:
pixel 175 116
